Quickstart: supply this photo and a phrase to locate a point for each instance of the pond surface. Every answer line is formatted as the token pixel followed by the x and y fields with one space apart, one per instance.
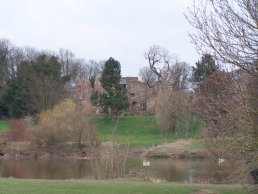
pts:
pixel 176 170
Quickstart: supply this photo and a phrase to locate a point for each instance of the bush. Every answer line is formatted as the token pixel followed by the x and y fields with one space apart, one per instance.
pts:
pixel 17 129
pixel 61 124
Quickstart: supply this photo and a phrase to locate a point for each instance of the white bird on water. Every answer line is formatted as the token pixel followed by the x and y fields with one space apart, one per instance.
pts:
pixel 220 161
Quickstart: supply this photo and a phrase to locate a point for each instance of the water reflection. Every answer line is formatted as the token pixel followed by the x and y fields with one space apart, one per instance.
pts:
pixel 191 171
pixel 46 169
pixel 198 171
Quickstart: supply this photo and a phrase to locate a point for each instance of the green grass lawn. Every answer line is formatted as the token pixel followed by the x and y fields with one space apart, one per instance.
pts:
pixel 23 186
pixel 4 125
pixel 139 130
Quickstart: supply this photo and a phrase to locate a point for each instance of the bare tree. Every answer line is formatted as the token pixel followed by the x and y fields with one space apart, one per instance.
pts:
pixel 165 117
pixel 224 104
pixel 15 57
pixel 148 76
pixel 167 69
pixel 6 66
pixel 69 65
pixel 173 111
pixel 180 75
pixel 30 53
pixel 227 29
pixel 10 58
pixel 217 99
pixel 90 69
pixel 160 61
pixel 171 78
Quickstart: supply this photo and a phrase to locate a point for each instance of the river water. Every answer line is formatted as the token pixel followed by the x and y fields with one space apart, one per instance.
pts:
pixel 176 170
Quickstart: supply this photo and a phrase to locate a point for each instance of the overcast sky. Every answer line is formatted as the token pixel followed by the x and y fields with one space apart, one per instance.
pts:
pixel 98 29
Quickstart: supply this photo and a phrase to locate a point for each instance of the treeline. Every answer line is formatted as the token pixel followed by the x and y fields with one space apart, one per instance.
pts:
pixel 178 87
pixel 33 80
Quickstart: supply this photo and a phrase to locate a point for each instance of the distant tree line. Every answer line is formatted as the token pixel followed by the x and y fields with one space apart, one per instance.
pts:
pixel 32 80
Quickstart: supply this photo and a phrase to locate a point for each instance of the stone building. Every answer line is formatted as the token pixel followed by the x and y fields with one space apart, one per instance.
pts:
pixel 141 98
pixel 81 91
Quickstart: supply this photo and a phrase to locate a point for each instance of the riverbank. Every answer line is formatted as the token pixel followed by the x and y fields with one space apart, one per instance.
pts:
pixel 178 149
pixel 136 134
pixel 115 186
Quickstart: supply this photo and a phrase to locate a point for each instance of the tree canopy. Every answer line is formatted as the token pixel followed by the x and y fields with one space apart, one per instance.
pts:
pixel 32 80
pixel 228 30
pixel 113 99
pixel 38 85
pixel 204 68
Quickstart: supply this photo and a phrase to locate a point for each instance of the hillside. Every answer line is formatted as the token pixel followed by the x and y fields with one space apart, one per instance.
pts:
pixel 140 130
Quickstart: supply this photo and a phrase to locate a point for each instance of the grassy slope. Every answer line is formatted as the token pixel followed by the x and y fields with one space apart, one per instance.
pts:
pixel 139 130
pixel 23 186
pixel 4 126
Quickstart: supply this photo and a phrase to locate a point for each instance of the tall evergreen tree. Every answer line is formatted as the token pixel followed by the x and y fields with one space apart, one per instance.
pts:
pixel 113 100
pixel 204 67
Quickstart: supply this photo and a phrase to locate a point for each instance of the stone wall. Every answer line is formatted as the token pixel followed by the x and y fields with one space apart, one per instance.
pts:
pixel 81 93
pixel 140 96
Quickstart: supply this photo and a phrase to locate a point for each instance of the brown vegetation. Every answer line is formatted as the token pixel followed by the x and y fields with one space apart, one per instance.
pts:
pixel 172 109
pixel 173 103
pixel 228 31
pixel 63 124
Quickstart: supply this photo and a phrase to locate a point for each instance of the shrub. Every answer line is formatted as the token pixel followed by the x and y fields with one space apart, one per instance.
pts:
pixel 61 124
pixel 17 129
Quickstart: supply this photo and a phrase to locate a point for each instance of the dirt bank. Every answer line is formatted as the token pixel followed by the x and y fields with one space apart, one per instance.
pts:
pixel 26 150
pixel 22 150
pixel 178 149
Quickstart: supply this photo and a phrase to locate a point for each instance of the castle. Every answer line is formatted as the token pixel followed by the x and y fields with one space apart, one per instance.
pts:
pixel 141 98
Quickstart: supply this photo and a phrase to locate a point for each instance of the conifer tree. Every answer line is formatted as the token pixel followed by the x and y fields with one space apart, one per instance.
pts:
pixel 113 100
